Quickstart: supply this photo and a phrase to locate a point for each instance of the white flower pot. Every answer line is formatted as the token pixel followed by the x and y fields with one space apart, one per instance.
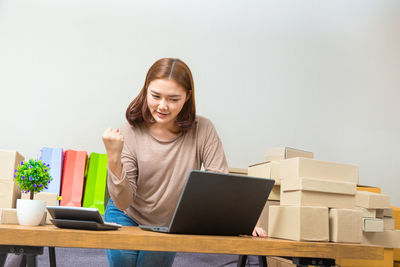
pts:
pixel 30 212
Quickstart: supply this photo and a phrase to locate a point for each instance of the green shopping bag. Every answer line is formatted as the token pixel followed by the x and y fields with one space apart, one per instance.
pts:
pixel 96 180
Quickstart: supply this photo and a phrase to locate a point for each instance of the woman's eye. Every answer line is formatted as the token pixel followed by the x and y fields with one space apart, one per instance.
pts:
pixel 156 96
pixel 174 100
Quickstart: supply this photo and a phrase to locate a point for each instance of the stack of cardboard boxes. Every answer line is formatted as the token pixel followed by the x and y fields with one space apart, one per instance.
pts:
pixel 320 201
pixel 9 192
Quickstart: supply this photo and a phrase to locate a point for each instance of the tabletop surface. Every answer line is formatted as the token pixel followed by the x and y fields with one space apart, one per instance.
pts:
pixel 130 237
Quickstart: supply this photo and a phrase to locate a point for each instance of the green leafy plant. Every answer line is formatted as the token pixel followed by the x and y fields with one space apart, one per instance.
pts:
pixel 32 176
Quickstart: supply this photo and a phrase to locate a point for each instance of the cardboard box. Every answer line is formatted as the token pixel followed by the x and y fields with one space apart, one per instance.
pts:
pixel 49 198
pixel 371 200
pixel 9 161
pixel 279 153
pixel 311 168
pixel 388 223
pixel 237 171
pixel 387 238
pixel 318 185
pixel 279 262
pixel 367 213
pixel 388 212
pixel 275 193
pixel 9 216
pixel 380 213
pixel 369 189
pixel 299 223
pixel 263 220
pixel 345 225
pixel 266 170
pixel 386 262
pixel 372 225
pixel 310 198
pixel 9 193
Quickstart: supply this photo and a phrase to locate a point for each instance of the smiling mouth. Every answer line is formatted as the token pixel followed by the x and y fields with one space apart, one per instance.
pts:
pixel 161 114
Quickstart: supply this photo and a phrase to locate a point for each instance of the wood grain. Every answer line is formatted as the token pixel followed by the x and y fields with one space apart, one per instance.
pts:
pixel 134 238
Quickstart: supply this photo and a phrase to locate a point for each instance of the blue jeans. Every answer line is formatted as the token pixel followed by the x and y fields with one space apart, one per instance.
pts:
pixel 133 257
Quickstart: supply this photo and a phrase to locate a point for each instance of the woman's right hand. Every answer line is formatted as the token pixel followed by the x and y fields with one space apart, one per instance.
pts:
pixel 114 142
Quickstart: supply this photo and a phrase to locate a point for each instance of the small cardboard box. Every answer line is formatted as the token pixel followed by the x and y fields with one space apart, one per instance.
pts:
pixel 275 193
pixel 310 198
pixel 9 161
pixel 279 262
pixel 9 193
pixel 266 170
pixel 279 153
pixel 9 216
pixel 299 223
pixel 263 220
pixel 388 223
pixel 367 213
pixel 237 171
pixel 318 185
pixel 345 225
pixel 386 262
pixel 49 198
pixel 380 213
pixel 387 238
pixel 396 254
pixel 371 200
pixel 372 225
pixel 388 212
pixel 304 167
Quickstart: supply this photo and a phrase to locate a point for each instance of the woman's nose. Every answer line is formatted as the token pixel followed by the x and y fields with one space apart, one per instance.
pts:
pixel 163 104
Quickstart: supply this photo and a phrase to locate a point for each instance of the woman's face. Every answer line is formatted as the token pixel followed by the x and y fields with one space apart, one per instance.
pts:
pixel 165 99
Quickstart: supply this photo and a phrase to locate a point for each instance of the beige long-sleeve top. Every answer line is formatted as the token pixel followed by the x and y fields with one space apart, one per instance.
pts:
pixel 154 172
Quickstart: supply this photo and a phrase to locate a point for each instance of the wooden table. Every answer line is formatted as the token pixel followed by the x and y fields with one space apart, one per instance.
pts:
pixel 133 238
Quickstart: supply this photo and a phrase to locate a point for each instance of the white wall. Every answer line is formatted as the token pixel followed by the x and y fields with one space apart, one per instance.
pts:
pixel 322 76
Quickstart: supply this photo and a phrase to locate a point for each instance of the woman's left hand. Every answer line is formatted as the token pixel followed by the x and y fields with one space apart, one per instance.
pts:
pixel 259 231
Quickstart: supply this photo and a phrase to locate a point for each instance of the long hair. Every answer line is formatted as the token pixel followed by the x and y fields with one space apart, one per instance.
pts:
pixel 166 68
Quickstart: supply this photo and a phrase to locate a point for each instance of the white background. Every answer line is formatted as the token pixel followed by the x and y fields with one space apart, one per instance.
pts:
pixel 322 76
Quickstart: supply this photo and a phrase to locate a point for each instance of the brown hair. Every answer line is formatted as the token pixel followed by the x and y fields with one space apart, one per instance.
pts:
pixel 177 71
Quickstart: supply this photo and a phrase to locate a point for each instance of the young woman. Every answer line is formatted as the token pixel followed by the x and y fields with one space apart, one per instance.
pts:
pixel 151 156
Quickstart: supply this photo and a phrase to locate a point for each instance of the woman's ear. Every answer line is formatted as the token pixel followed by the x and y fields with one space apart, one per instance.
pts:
pixel 188 95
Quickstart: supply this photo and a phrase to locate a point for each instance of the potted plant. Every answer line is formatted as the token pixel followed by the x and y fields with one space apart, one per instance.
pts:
pixel 31 176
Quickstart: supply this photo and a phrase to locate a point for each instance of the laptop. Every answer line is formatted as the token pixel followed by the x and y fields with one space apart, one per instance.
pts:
pixel 79 218
pixel 218 204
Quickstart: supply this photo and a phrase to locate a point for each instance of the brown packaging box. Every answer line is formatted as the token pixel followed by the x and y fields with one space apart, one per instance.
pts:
pixel 387 238
pixel 275 193
pixel 388 223
pixel 310 198
pixel 279 153
pixel 311 168
pixel 367 213
pixel 9 216
pixel 388 212
pixel 9 161
pixel 279 262
pixel 238 171
pixel 299 223
pixel 9 193
pixel 266 170
pixel 372 225
pixel 371 200
pixel 263 220
pixel 49 198
pixel 380 213
pixel 345 225
pixel 318 185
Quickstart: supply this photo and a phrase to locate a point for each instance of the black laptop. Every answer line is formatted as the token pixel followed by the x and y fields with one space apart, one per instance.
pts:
pixel 218 204
pixel 79 218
